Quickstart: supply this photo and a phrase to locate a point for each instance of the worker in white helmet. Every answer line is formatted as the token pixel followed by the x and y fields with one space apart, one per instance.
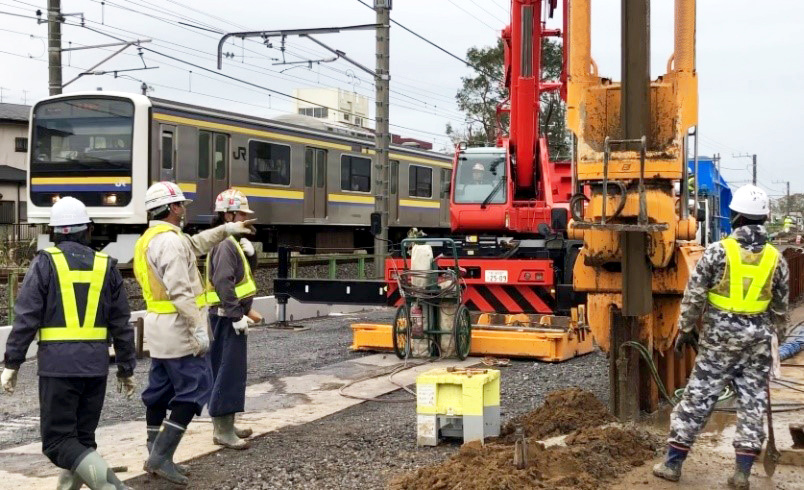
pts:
pixel 739 288
pixel 176 325
pixel 230 292
pixel 74 298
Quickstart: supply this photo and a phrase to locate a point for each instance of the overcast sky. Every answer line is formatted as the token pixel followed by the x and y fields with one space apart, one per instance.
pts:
pixel 749 61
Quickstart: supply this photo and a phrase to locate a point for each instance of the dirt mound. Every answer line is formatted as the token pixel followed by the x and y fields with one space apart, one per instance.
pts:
pixel 562 412
pixel 591 459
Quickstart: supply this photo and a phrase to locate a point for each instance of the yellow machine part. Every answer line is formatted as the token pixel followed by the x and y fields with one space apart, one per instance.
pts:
pixel 458 391
pixel 550 346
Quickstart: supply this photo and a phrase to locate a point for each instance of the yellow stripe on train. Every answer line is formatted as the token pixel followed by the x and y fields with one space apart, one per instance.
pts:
pixel 80 180
pixel 266 192
pixel 351 199
pixel 411 203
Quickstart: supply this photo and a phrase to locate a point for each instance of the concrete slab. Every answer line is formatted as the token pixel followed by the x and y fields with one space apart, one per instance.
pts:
pixel 286 401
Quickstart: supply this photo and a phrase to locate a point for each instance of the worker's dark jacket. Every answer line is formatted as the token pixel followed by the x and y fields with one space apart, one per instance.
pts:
pixel 226 271
pixel 39 304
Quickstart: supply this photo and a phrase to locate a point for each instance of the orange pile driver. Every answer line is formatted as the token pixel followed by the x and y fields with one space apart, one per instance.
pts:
pixel 630 212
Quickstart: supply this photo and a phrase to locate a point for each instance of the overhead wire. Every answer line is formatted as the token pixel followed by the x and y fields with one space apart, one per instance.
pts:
pixel 470 14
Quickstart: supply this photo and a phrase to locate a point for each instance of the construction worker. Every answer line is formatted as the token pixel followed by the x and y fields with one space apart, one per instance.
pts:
pixel 739 288
pixel 74 298
pixel 176 327
pixel 788 224
pixel 230 291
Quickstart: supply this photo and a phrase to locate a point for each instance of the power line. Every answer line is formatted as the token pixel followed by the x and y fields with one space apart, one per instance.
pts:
pixel 431 43
pixel 473 16
pixel 486 11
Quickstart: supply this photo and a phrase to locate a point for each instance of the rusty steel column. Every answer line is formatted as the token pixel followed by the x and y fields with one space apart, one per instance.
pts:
pixel 635 94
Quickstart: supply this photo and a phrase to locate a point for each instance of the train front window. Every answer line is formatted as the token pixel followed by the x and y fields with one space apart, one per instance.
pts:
pixel 480 178
pixel 91 133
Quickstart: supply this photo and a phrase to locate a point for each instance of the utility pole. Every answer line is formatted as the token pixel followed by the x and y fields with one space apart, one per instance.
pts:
pixel 381 131
pixel 787 201
pixel 54 46
pixel 754 163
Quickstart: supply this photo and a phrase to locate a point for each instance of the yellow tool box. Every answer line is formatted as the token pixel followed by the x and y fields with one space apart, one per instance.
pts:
pixel 457 402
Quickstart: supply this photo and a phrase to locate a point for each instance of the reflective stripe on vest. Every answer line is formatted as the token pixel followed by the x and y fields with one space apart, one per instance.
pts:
pixel 746 281
pixel 153 291
pixel 73 329
pixel 245 288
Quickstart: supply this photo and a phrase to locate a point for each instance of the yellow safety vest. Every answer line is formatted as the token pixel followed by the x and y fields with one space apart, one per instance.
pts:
pixel 74 329
pixel 245 288
pixel 746 284
pixel 153 291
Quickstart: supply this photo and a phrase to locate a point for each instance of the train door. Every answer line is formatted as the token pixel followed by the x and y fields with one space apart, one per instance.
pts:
pixel 446 178
pixel 315 184
pixel 393 193
pixel 167 153
pixel 204 198
pixel 220 163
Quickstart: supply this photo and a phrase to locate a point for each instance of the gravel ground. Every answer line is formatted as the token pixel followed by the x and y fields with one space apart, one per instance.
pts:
pixel 272 353
pixel 365 445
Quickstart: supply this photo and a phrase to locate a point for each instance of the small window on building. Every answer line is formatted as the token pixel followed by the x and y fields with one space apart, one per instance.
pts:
pixel 269 163
pixel 420 182
pixel 21 145
pixel 320 112
pixel 346 117
pixel 167 150
pixel 355 174
pixel 359 121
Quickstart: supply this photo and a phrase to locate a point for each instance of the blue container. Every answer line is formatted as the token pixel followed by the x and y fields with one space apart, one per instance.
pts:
pixel 711 184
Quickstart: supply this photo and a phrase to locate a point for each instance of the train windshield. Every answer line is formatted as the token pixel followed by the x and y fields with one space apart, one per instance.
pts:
pixel 480 178
pixel 80 134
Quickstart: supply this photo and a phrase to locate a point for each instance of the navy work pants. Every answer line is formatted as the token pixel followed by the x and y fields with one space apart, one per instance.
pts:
pixel 228 354
pixel 185 380
pixel 69 411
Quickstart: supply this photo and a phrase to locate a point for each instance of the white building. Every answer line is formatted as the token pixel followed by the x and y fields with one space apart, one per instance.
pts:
pixel 13 154
pixel 334 105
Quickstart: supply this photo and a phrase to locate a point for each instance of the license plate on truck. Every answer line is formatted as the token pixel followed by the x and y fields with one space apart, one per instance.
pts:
pixel 496 276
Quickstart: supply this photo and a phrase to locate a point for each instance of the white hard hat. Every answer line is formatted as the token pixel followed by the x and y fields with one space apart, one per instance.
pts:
pixel 750 201
pixel 163 193
pixel 232 200
pixel 68 214
pixel 478 166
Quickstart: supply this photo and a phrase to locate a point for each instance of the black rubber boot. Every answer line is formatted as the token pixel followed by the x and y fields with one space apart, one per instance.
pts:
pixel 97 475
pixel 153 430
pixel 160 461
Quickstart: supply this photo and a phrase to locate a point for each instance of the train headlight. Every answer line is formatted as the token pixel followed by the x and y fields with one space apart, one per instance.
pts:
pixel 54 198
pixel 110 199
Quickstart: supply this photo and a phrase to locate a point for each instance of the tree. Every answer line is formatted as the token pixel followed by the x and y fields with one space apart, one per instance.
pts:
pixel 484 91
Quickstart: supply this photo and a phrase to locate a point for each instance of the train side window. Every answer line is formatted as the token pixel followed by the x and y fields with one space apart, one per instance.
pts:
pixel 167 150
pixel 309 166
pixel 420 181
pixel 321 168
pixel 204 151
pixel 269 163
pixel 220 156
pixel 355 174
pixel 394 176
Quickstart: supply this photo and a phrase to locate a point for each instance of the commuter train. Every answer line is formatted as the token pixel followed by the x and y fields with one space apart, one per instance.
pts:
pixel 311 184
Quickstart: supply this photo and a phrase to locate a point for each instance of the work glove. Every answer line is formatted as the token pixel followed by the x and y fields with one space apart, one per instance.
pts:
pixel 200 338
pixel 686 338
pixel 776 365
pixel 241 326
pixel 126 386
pixel 9 379
pixel 241 227
pixel 247 246
pixel 254 316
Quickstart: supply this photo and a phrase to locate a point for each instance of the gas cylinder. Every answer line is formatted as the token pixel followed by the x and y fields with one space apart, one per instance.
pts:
pixel 417 321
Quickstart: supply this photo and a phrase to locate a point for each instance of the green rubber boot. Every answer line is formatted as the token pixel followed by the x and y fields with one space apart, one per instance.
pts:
pixel 739 480
pixel 160 461
pixel 243 433
pixel 153 431
pixel 68 480
pixel 223 433
pixel 667 472
pixel 97 475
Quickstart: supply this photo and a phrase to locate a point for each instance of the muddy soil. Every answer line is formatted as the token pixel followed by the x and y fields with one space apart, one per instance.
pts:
pixel 562 412
pixel 592 458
